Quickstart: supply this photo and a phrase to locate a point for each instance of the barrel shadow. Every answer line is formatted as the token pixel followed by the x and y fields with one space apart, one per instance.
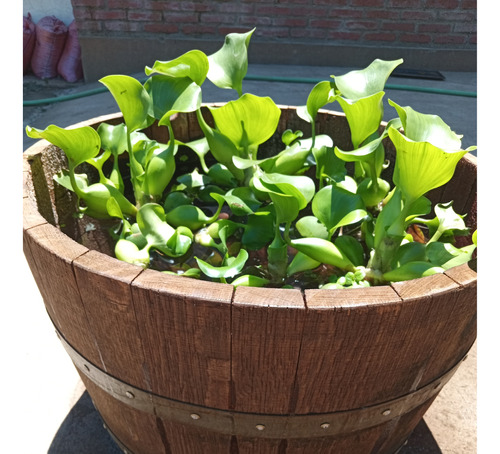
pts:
pixel 83 432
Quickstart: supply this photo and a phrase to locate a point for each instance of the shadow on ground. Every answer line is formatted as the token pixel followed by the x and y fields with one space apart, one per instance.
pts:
pixel 82 432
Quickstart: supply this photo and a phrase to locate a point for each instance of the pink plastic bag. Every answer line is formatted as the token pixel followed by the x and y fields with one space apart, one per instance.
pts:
pixel 29 38
pixel 70 64
pixel 51 36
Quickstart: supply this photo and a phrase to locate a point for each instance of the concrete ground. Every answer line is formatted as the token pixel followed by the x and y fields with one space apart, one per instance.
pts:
pixel 47 396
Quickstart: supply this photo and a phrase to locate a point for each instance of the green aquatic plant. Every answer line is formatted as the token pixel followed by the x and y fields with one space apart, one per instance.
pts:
pixel 298 216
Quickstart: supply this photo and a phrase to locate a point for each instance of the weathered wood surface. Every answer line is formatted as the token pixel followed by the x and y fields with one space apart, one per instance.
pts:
pixel 264 351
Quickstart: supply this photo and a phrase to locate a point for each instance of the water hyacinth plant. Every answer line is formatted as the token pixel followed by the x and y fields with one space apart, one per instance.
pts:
pixel 296 217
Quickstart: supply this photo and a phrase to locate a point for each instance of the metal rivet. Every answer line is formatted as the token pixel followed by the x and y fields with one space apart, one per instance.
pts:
pixel 260 426
pixel 386 412
pixel 129 395
pixel 195 416
pixel 325 425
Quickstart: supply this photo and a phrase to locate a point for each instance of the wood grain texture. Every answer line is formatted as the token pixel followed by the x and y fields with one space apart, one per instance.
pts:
pixel 104 284
pixel 350 339
pixel 441 318
pixel 185 330
pixel 266 340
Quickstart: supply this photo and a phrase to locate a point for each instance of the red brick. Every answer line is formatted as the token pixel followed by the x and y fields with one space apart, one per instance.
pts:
pixel 450 39
pixel 361 25
pixel 180 18
pixel 465 27
pixel 161 28
pixel 344 36
pixel 82 14
pixel 329 2
pixel 381 14
pixel 274 32
pixel 469 4
pixel 125 4
pixel 434 28
pixel 399 26
pixel 419 15
pixel 147 16
pixel 413 38
pixel 217 18
pixel 290 21
pixel 346 13
pixel 235 8
pixel 199 29
pixel 457 16
pixel 380 36
pixel 324 23
pixel 122 26
pixel 368 3
pixel 226 30
pixel 253 21
pixel 403 4
pixel 104 15
pixel 442 4
pixel 92 3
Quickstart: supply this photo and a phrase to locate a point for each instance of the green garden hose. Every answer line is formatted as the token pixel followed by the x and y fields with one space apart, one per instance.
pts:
pixel 299 80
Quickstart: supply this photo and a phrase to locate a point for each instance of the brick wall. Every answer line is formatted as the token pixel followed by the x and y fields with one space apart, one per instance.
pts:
pixel 426 24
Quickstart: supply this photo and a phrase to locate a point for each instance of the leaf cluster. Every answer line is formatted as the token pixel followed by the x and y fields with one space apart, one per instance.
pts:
pixel 309 209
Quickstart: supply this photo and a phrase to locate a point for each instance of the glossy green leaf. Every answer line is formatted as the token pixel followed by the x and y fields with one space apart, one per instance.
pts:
pixel 412 270
pixel 299 186
pixel 132 99
pixel 221 175
pixel 249 280
pixel 96 197
pixel 323 251
pixel 170 95
pixel 159 171
pixel 129 252
pixel 259 230
pixel 336 207
pixel 321 94
pixel 301 262
pixel 201 148
pixel 447 220
pixel 113 137
pixel 328 164
pixel 228 66
pixel 352 248
pixel 234 266
pixel 152 223
pixel 242 201
pixel 221 147
pixel 420 166
pixel 248 121
pixel 79 144
pixel 410 252
pixel 193 65
pixel 447 256
pixel 363 115
pixel 421 127
pixel 311 226
pixel 366 82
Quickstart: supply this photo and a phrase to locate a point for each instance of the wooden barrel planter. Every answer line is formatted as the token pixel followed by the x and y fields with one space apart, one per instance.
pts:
pixel 176 365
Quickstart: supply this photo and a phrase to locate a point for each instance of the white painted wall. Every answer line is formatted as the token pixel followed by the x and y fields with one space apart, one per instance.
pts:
pixel 62 9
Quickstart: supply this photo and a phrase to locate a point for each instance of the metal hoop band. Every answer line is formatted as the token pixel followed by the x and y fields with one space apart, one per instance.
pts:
pixel 252 424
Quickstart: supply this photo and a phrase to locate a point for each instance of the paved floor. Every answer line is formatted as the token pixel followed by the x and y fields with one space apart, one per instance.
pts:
pixel 46 394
